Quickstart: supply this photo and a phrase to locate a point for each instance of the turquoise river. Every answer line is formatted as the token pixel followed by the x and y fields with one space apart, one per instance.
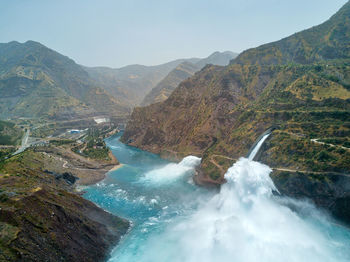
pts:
pixel 174 220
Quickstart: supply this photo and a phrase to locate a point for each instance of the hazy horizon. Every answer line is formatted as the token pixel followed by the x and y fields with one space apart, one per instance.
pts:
pixel 117 33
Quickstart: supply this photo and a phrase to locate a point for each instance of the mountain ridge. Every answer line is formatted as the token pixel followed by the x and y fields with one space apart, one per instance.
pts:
pixel 311 45
pixel 183 71
pixel 132 82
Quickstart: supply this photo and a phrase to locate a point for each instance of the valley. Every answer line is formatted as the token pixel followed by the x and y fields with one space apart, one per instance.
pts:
pixel 58 115
pixel 229 157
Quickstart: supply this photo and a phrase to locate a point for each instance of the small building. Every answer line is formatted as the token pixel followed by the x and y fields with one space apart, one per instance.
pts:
pixel 74 131
pixel 100 120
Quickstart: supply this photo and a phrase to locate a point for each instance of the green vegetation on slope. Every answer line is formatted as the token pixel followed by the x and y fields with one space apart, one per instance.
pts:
pixel 327 41
pixel 93 145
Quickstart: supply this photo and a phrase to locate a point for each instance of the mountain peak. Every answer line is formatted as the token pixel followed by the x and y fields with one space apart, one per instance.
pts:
pixel 217 58
pixel 33 44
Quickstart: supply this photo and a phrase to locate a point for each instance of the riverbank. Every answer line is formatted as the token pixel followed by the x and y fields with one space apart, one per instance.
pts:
pixel 116 167
pixel 89 171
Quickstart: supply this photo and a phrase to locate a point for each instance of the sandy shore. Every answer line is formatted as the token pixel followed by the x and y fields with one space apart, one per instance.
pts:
pixel 116 167
pixel 93 176
pixel 89 171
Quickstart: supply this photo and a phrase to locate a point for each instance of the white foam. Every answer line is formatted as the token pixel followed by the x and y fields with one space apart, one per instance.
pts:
pixel 243 223
pixel 153 201
pixel 172 172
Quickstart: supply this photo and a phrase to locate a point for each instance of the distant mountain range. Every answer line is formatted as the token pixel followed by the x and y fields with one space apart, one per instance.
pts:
pixel 300 86
pixel 131 83
pixel 36 81
pixel 183 71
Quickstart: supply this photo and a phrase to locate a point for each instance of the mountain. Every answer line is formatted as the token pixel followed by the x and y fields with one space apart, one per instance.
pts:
pixel 327 41
pixel 298 86
pixel 165 87
pixel 36 81
pixel 217 58
pixel 132 82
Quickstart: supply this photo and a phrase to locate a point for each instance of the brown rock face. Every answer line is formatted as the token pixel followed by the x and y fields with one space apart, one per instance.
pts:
pixel 202 109
pixel 61 227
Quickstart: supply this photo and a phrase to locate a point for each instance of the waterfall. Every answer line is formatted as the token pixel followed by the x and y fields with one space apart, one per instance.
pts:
pixel 257 147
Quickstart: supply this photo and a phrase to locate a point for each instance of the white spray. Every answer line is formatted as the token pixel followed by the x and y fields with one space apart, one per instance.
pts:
pixel 171 172
pixel 245 223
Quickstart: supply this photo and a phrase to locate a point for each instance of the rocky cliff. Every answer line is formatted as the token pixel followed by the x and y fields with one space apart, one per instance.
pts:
pixel 42 219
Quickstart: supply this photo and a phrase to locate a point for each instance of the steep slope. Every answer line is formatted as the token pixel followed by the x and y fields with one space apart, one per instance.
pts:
pixel 37 81
pixel 219 113
pixel 42 219
pixel 132 82
pixel 165 87
pixel 217 58
pixel 327 41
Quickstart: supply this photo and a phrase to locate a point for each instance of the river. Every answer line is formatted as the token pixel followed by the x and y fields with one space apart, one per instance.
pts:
pixel 174 220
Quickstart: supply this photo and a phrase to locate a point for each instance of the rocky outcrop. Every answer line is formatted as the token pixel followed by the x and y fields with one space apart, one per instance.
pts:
pixel 58 226
pixel 43 219
pixel 329 191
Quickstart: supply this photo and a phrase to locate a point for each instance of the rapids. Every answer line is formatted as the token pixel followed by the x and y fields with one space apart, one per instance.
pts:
pixel 174 220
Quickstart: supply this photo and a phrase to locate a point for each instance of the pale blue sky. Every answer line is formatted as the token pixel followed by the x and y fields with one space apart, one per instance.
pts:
pixel 117 33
